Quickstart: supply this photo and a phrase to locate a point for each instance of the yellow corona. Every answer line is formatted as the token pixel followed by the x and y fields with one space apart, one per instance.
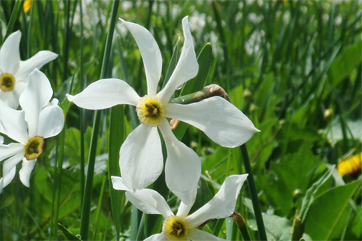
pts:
pixel 34 147
pixel 175 229
pixel 150 111
pixel 7 82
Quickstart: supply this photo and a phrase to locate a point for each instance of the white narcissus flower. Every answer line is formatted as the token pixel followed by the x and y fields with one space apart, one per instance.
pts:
pixel 39 119
pixel 14 72
pixel 182 226
pixel 141 160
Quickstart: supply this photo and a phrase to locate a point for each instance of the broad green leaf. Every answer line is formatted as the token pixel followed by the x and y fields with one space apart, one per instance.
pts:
pixel 310 195
pixel 288 177
pixel 345 63
pixel 328 210
pixel 354 228
pixel 280 228
pixel 277 228
pixel 236 96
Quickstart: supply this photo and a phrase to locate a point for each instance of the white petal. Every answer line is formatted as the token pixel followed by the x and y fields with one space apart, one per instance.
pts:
pixel 150 202
pixel 183 210
pixel 9 53
pixel 183 167
pixel 10 98
pixel 35 96
pixel 51 121
pixel 220 120
pixel 118 184
pixel 150 52
pixel 222 205
pixel 104 94
pixel 11 162
pixel 140 157
pixel 19 88
pixel 5 180
pixel 26 170
pixel 37 61
pixel 10 150
pixel 12 123
pixel 156 237
pixel 186 68
pixel 198 235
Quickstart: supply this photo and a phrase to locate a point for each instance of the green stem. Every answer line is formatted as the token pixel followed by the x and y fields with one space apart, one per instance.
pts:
pixel 81 117
pixel 134 223
pixel 101 196
pixel 224 44
pixel 116 137
pixel 253 193
pixel 66 39
pixel 28 42
pixel 240 222
pixel 89 182
pixel 93 148
pixel 57 187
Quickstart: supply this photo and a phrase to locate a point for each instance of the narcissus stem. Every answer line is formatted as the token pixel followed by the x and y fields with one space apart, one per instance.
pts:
pixel 253 193
pixel 240 222
pixel 93 146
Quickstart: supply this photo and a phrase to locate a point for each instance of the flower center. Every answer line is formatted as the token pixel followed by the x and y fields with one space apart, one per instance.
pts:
pixel 7 82
pixel 150 111
pixel 175 229
pixel 34 147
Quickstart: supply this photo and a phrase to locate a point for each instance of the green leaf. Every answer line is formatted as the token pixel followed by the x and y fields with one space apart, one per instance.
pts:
pixel 69 235
pixel 173 62
pixel 310 195
pixel 236 96
pixel 116 138
pixel 300 117
pixel 264 94
pixel 290 176
pixel 204 59
pixel 277 228
pixel 328 210
pixel 345 63
pixel 14 16
pixel 354 228
pixel 204 194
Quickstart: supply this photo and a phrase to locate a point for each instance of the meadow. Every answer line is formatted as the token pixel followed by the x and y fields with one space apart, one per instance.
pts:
pixel 294 68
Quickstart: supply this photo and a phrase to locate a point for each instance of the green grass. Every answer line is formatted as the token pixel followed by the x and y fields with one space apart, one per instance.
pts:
pixel 283 63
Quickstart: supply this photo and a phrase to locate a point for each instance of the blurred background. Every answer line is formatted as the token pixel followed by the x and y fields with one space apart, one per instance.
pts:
pixel 293 67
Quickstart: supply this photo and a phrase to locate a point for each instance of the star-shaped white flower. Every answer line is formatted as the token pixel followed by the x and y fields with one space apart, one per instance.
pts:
pixel 182 226
pixel 14 72
pixel 39 119
pixel 141 159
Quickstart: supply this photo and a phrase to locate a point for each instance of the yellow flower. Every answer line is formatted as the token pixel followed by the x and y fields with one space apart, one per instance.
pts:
pixel 27 5
pixel 350 165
